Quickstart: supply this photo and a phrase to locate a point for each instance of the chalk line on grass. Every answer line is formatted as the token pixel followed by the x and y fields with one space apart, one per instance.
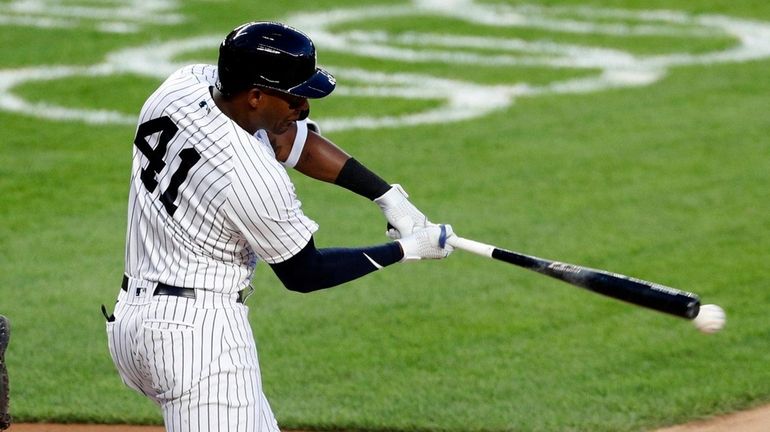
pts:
pixel 340 30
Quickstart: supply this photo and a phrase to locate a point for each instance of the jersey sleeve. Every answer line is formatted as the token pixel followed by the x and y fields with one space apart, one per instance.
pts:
pixel 263 204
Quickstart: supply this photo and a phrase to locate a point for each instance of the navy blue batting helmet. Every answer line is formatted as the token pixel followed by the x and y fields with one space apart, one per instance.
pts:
pixel 273 55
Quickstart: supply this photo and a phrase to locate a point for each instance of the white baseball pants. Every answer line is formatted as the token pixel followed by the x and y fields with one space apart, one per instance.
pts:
pixel 196 358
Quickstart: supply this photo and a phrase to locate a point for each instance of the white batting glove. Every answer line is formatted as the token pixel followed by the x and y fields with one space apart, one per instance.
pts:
pixel 427 243
pixel 403 217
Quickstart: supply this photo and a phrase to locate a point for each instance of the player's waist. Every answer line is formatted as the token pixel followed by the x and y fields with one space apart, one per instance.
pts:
pixel 138 288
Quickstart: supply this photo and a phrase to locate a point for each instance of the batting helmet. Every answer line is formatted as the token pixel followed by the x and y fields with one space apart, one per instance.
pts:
pixel 273 55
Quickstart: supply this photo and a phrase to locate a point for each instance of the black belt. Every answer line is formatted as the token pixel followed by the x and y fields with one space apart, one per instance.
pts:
pixel 170 290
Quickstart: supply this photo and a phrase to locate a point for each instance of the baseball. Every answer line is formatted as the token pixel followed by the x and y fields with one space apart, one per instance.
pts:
pixel 710 319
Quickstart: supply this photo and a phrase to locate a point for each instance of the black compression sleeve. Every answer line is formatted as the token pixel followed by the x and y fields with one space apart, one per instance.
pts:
pixel 359 179
pixel 313 269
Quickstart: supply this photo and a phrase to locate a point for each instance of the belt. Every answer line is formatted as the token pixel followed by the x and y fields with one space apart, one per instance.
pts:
pixel 170 290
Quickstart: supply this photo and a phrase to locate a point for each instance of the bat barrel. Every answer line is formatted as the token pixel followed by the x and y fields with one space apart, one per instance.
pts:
pixel 642 293
pixel 639 292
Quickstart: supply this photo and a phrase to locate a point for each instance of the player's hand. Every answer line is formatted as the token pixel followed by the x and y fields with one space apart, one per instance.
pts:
pixel 403 217
pixel 427 243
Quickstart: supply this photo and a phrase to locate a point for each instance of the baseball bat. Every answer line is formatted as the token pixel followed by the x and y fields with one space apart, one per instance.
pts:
pixel 636 291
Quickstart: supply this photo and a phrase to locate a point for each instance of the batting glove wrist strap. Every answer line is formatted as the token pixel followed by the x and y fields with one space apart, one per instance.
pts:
pixel 427 243
pixel 401 214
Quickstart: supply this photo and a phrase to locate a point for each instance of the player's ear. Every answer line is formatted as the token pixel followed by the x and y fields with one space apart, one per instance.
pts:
pixel 254 97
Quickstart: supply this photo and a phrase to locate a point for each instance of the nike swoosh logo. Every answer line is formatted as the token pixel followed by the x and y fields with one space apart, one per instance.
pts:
pixel 374 263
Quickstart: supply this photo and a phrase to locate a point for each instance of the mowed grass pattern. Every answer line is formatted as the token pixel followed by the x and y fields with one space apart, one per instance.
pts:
pixel 666 182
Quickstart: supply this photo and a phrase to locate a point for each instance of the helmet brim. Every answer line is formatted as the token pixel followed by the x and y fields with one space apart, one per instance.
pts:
pixel 319 85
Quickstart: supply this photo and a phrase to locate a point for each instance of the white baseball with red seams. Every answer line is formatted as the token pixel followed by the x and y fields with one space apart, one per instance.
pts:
pixel 710 319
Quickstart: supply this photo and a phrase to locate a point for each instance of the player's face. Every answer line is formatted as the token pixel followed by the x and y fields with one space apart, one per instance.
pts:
pixel 283 110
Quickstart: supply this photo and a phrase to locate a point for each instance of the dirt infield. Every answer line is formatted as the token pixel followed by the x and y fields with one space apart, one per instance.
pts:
pixel 755 420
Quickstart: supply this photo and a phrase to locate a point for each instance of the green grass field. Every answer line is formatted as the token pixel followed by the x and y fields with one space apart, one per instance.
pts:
pixel 665 181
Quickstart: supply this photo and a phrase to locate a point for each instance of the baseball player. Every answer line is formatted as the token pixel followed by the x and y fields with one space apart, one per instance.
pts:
pixel 210 198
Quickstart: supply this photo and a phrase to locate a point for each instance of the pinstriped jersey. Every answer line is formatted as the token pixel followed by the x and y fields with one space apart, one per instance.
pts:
pixel 207 200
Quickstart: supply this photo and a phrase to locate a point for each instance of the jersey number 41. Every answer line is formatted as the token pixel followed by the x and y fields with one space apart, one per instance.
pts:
pixel 157 155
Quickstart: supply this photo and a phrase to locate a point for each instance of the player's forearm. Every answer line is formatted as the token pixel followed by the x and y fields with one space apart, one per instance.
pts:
pixel 359 179
pixel 314 269
pixel 321 159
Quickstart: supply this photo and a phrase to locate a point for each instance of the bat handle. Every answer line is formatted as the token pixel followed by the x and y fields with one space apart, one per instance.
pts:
pixel 472 246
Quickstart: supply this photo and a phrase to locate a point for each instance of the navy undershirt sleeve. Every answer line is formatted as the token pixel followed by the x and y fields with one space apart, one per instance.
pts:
pixel 313 269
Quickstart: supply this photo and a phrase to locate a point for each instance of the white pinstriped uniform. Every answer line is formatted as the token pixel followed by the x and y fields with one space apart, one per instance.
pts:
pixel 235 206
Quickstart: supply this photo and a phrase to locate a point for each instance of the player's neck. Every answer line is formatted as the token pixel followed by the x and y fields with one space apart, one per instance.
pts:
pixel 229 107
